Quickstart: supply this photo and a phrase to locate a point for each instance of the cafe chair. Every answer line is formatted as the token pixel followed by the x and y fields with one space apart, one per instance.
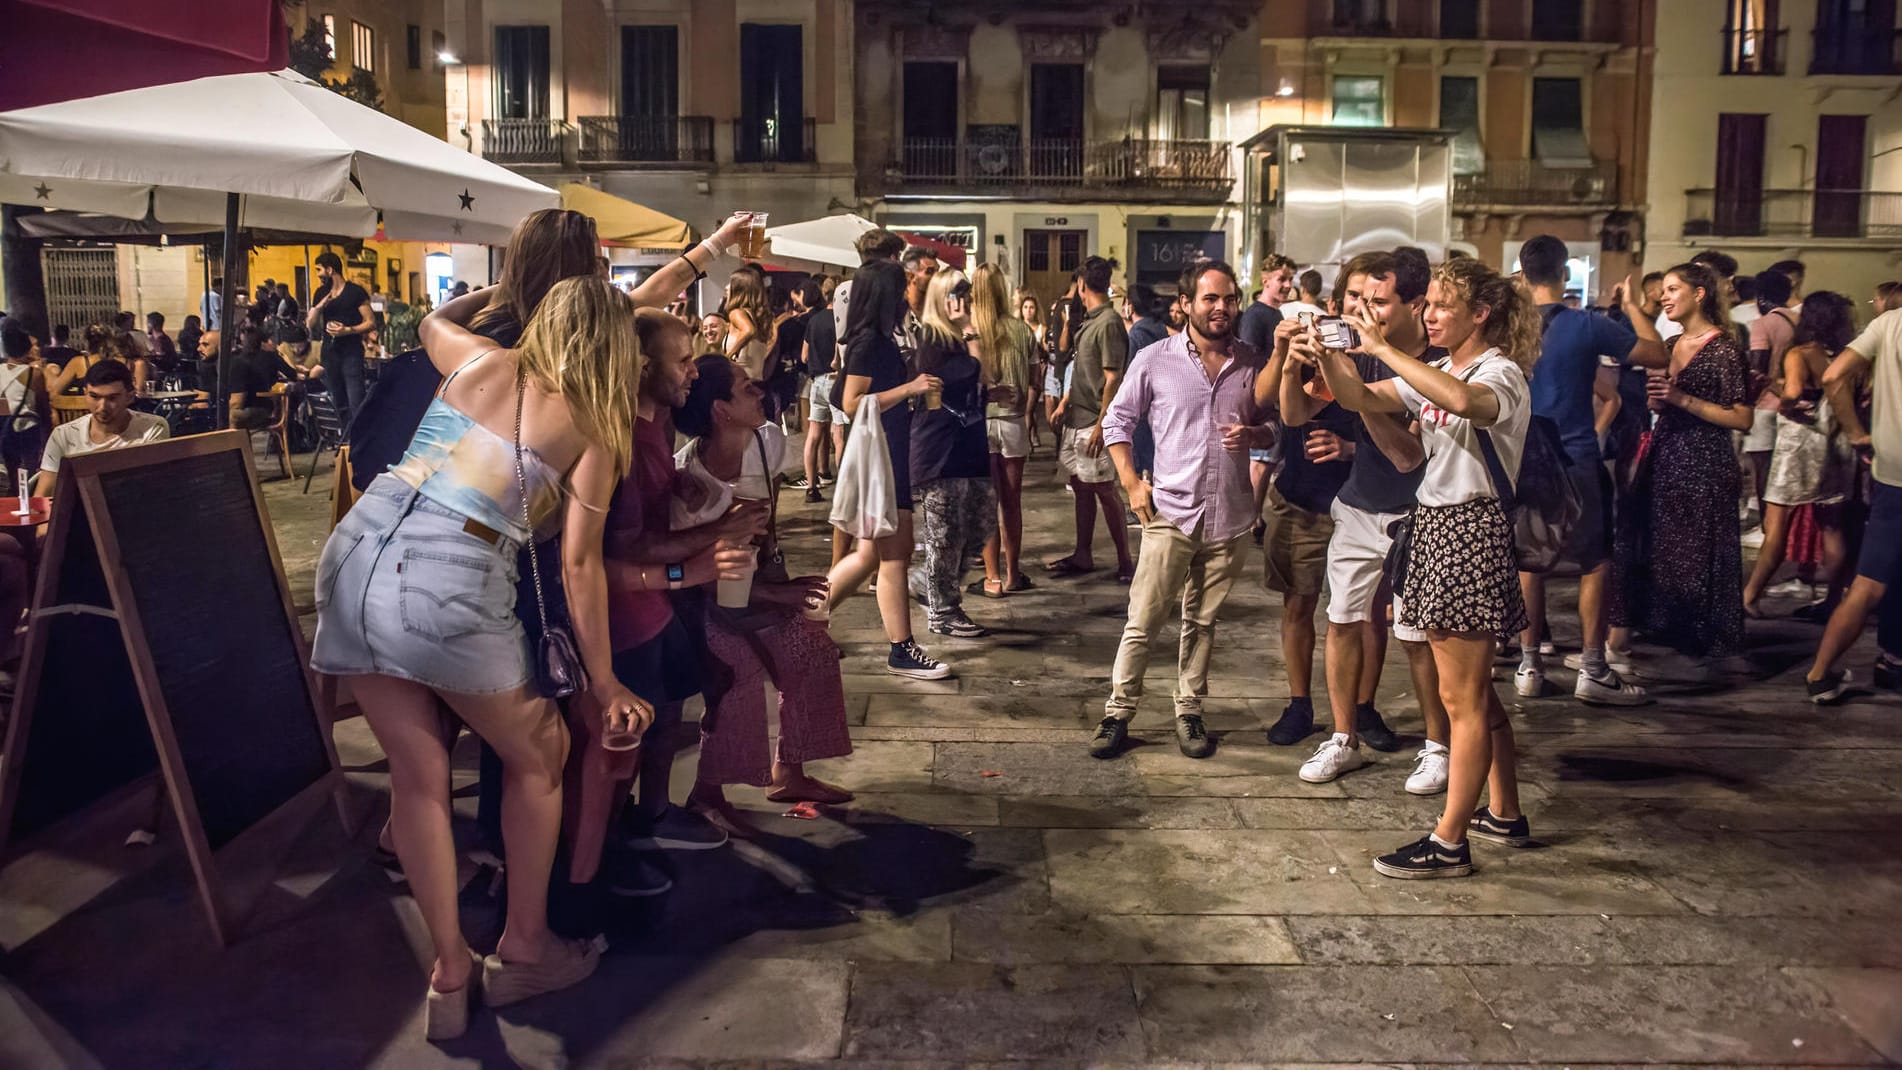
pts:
pixel 329 432
pixel 277 432
pixel 68 407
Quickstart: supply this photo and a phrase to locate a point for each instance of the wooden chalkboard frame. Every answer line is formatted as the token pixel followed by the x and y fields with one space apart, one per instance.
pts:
pixel 80 488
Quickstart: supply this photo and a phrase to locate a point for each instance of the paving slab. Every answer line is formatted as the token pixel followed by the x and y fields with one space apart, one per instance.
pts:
pixel 969 1011
pixel 1869 1000
pixel 1170 871
pixel 1013 940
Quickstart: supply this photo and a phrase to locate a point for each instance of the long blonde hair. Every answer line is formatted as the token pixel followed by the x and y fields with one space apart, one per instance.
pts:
pixel 1513 323
pixel 991 316
pixel 581 343
pixel 746 290
pixel 937 315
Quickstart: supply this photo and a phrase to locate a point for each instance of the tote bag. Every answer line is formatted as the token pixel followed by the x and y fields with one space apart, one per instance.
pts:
pixel 865 498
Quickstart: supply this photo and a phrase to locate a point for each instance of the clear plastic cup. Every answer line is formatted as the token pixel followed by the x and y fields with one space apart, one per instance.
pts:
pixel 735 594
pixel 753 241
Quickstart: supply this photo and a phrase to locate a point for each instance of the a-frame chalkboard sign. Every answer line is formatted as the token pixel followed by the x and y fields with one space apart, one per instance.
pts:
pixel 163 639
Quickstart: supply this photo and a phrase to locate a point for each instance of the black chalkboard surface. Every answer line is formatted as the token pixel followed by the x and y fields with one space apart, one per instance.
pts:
pixel 163 638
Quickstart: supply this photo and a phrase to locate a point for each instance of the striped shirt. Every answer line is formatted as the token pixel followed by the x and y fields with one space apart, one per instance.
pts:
pixel 1196 483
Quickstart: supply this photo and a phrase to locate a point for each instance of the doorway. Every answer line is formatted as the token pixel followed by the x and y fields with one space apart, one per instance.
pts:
pixel 1051 257
pixel 1841 143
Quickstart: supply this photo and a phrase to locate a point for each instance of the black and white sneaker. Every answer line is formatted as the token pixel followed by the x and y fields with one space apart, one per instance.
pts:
pixel 796 483
pixel 1426 859
pixel 1830 688
pixel 1514 833
pixel 958 626
pixel 908 659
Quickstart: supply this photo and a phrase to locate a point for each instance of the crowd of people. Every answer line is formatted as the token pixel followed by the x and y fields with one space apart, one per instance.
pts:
pixel 581 535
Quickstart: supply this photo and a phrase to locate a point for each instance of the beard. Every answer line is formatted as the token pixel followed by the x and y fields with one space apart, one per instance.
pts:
pixel 1204 327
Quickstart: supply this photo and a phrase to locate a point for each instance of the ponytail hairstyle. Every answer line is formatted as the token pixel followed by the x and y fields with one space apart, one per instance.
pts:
pixel 1513 323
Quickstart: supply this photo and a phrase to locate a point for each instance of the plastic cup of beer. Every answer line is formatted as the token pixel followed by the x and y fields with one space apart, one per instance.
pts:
pixel 619 739
pixel 934 398
pixel 753 242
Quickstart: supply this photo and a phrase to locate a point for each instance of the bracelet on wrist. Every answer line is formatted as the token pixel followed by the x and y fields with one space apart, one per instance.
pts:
pixel 698 275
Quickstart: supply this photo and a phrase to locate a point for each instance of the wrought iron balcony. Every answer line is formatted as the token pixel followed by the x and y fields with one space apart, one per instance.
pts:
pixel 1794 213
pixel 521 141
pixel 1530 183
pixel 646 139
pixel 1856 46
pixel 1754 51
pixel 769 141
pixel 1055 165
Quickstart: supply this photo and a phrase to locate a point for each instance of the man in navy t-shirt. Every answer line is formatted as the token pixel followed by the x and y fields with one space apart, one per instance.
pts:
pixel 1566 388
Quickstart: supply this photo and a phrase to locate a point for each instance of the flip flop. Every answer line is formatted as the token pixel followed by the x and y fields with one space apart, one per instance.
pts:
pixel 1067 567
pixel 1021 583
pixel 982 588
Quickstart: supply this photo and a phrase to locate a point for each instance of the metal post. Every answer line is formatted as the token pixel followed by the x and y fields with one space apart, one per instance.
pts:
pixel 219 402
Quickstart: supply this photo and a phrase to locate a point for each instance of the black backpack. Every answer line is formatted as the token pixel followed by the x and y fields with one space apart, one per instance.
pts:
pixel 1545 505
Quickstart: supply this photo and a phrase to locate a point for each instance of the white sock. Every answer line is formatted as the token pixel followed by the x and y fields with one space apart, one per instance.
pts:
pixel 1448 844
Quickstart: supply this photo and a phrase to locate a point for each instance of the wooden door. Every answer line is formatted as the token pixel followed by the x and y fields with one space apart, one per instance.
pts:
pixel 1739 207
pixel 1841 141
pixel 1051 257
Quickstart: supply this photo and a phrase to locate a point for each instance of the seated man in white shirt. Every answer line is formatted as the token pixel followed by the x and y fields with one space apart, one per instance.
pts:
pixel 110 425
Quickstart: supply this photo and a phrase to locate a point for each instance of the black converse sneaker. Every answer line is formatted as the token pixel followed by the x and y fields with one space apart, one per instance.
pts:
pixel 1426 859
pixel 1514 833
pixel 909 659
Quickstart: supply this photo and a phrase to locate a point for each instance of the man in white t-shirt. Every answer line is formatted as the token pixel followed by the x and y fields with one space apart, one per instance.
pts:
pixel 110 425
pixel 1310 301
pixel 1879 346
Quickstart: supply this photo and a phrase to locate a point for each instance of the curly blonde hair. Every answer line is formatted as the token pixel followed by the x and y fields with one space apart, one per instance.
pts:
pixel 1513 323
pixel 582 343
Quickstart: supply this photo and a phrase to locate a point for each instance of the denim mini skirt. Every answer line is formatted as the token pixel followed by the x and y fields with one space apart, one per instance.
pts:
pixel 405 590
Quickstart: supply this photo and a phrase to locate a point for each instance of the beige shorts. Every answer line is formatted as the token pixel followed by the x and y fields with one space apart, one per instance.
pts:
pixel 1009 436
pixel 1074 455
pixel 1294 550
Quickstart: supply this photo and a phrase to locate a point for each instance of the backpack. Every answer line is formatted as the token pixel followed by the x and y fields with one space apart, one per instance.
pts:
pixel 1546 505
pixel 382 426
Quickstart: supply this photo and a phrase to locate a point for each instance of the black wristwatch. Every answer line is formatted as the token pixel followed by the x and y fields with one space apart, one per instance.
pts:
pixel 676 575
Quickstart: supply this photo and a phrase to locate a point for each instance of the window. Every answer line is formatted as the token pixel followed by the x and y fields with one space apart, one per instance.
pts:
pixel 1739 186
pixel 650 71
pixel 521 72
pixel 1360 15
pixel 1558 123
pixel 1558 20
pixel 1854 37
pixel 1360 100
pixel 1182 103
pixel 413 44
pixel 1459 112
pixel 1056 120
pixel 330 36
pixel 1069 250
pixel 1459 19
pixel 931 123
pixel 362 47
pixel 1752 38
pixel 772 93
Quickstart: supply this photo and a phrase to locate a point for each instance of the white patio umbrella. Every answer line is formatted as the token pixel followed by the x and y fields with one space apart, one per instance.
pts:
pixel 264 151
pixel 824 241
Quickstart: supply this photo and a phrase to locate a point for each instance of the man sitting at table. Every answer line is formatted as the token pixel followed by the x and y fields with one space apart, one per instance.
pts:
pixel 253 370
pixel 111 424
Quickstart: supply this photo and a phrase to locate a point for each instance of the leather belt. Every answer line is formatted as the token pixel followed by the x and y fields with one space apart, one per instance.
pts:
pixel 482 531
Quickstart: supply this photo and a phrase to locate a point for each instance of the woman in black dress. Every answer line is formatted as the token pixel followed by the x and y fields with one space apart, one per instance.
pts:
pixel 1682 581
pixel 875 368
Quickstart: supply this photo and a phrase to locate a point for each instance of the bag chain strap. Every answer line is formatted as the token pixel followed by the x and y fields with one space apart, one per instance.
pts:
pixel 521 487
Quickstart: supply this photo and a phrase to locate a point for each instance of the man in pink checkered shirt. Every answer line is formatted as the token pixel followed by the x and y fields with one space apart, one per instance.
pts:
pixel 1196 390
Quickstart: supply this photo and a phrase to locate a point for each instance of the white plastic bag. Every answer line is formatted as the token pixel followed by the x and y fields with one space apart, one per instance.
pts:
pixel 865 498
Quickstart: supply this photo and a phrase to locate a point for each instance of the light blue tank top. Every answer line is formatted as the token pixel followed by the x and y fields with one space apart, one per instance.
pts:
pixel 461 465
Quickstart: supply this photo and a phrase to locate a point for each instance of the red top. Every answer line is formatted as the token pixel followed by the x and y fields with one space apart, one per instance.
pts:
pixel 640 507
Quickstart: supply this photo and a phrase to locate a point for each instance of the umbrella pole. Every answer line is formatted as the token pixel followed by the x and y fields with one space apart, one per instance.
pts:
pixel 219 404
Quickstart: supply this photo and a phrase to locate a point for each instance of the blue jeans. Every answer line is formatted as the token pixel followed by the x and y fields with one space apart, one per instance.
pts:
pixel 343 377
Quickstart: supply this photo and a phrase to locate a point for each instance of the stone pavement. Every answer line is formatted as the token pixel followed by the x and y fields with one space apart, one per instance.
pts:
pixel 1717 880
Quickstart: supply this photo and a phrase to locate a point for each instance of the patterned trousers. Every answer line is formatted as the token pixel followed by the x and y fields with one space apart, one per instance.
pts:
pixel 805 673
pixel 959 514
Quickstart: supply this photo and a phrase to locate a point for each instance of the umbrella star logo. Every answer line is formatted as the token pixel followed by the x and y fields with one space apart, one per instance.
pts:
pixel 43 191
pixel 456 227
pixel 468 202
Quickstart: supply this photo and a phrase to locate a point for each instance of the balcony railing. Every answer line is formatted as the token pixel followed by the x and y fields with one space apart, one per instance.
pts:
pixel 1754 51
pixel 1186 166
pixel 772 142
pixel 1528 182
pixel 1856 46
pixel 1794 213
pixel 523 140
pixel 646 139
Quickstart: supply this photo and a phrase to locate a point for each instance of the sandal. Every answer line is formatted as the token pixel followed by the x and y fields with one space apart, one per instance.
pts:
pixel 986 589
pixel 568 962
pixel 446 1014
pixel 1126 576
pixel 1068 567
pixel 1021 583
pixel 824 794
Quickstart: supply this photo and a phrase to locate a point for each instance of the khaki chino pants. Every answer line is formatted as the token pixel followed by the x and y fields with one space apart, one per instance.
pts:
pixel 1173 565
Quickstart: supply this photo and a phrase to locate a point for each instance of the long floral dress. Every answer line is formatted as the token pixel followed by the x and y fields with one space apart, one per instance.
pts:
pixel 1678 564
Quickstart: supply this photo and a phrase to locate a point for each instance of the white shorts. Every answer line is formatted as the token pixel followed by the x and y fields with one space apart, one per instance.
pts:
pixel 1073 455
pixel 1053 381
pixel 1762 436
pixel 1356 554
pixel 819 402
pixel 1009 436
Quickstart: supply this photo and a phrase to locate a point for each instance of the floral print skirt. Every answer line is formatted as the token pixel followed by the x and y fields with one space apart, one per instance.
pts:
pixel 1461 576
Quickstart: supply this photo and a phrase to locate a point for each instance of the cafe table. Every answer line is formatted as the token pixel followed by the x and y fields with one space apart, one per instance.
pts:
pixel 25 528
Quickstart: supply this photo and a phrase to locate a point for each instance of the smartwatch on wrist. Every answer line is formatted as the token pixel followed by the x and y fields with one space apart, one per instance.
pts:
pixel 676 575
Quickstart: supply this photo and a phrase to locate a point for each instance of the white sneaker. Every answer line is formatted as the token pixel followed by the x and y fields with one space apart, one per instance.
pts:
pixel 1546 649
pixel 1528 683
pixel 1429 770
pixel 1616 692
pixel 1752 538
pixel 1618 663
pixel 1792 588
pixel 1331 759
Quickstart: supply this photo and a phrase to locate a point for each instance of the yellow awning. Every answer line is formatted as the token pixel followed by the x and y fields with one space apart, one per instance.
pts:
pixel 622 222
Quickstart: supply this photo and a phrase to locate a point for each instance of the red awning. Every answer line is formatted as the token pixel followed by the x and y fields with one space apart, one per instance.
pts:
pixel 56 50
pixel 950 255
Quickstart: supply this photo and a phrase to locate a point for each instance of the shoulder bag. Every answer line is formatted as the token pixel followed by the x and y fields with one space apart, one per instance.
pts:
pixel 558 668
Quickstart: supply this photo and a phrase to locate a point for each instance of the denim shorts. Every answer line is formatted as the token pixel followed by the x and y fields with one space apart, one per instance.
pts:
pixel 403 590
